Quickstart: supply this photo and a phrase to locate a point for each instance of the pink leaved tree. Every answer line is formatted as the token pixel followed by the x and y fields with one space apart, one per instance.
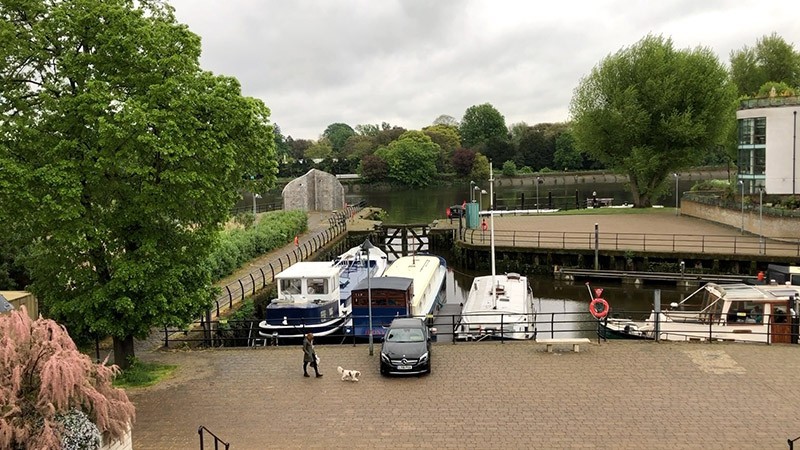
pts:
pixel 43 374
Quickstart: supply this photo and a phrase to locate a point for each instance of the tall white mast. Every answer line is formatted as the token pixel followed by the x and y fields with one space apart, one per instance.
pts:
pixel 491 232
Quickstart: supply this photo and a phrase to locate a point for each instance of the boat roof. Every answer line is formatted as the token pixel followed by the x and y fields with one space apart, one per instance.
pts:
pixel 394 283
pixel 764 292
pixel 310 269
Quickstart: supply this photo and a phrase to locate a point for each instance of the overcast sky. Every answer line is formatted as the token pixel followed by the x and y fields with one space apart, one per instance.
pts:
pixel 407 62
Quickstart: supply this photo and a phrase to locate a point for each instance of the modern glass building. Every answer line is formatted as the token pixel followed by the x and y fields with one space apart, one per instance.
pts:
pixel 768 145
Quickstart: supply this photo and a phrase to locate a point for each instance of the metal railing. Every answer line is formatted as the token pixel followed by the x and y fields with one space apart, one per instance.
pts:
pixel 217 440
pixel 649 242
pixel 550 325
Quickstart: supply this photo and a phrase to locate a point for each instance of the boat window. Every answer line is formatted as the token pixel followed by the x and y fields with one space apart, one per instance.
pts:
pixel 317 286
pixel 745 312
pixel 291 285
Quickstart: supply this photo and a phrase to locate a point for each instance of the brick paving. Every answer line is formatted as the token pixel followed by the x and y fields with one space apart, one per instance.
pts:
pixel 614 395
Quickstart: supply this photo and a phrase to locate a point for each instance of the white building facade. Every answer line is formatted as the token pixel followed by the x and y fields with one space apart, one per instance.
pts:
pixel 767 145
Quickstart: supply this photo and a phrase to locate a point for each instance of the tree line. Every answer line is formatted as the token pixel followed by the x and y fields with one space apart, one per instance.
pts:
pixel 648 111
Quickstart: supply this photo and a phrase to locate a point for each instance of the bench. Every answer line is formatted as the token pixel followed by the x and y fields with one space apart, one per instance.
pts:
pixel 605 201
pixel 575 342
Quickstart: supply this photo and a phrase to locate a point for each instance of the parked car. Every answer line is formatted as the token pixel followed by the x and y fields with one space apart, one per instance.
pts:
pixel 406 348
pixel 456 211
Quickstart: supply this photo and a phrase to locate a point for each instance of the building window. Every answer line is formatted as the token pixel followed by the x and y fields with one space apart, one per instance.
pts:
pixel 752 146
pixel 753 131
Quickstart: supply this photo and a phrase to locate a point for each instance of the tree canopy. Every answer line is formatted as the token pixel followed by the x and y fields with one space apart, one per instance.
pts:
pixel 650 110
pixel 411 159
pixel 480 124
pixel 772 59
pixel 121 160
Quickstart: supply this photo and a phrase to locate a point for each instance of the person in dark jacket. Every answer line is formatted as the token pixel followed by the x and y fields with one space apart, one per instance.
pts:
pixel 309 355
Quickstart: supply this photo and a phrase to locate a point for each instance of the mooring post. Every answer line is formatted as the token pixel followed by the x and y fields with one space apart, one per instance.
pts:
pixel 596 247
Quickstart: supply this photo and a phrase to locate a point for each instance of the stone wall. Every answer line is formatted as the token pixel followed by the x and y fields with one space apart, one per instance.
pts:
pixel 754 223
pixel 314 191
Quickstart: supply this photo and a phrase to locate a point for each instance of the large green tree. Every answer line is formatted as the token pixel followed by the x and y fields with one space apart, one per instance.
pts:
pixel 771 59
pixel 411 159
pixel 650 110
pixel 120 161
pixel 338 134
pixel 480 124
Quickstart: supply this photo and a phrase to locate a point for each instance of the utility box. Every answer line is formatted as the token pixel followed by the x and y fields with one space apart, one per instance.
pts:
pixel 473 219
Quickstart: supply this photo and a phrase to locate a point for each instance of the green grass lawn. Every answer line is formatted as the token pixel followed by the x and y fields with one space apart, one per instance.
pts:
pixel 142 374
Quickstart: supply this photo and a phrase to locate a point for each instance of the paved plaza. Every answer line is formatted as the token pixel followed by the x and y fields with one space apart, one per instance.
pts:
pixel 614 395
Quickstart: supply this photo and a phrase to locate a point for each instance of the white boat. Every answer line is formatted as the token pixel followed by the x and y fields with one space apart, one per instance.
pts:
pixel 412 286
pixel 308 301
pixel 354 268
pixel 314 297
pixel 718 312
pixel 497 305
pixel 428 273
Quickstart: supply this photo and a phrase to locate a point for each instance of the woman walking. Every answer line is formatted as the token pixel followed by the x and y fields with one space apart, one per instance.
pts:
pixel 309 355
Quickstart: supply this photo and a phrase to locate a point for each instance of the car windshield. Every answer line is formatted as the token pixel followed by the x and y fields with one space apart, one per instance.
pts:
pixel 405 335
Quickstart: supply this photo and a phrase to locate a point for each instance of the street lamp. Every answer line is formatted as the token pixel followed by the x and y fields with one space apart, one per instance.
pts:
pixel 471 193
pixel 255 196
pixel 475 197
pixel 480 200
pixel 677 177
pixel 365 249
pixel 741 183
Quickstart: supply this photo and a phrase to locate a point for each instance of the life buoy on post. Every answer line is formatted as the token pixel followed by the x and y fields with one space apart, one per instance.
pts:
pixel 598 308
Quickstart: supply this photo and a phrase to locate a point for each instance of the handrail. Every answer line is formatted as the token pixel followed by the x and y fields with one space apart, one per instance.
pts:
pixel 649 242
pixel 217 440
pixel 548 324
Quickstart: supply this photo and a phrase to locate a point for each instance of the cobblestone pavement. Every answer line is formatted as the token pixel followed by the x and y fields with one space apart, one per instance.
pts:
pixel 614 395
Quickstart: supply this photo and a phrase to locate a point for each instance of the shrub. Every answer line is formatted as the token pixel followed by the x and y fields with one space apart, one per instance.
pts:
pixel 43 377
pixel 509 168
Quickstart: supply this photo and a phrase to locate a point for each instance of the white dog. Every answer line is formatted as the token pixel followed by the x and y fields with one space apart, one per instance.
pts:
pixel 348 375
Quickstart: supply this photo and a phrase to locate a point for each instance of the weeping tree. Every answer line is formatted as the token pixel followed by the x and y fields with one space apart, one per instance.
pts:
pixel 651 110
pixel 121 160
pixel 51 394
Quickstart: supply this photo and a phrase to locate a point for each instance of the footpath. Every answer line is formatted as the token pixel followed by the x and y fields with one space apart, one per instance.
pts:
pixel 614 395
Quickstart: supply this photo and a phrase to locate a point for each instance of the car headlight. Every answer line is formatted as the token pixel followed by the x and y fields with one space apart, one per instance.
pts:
pixel 424 357
pixel 385 357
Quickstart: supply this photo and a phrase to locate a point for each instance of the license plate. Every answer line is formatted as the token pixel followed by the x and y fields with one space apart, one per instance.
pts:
pixel 403 367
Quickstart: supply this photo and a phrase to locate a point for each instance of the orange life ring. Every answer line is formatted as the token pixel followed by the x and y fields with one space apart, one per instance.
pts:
pixel 599 314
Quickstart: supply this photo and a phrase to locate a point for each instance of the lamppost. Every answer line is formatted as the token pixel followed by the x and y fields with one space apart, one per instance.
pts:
pixel 761 220
pixel 471 192
pixel 477 190
pixel 741 183
pixel 365 248
pixel 255 196
pixel 677 177
pixel 480 201
pixel 538 182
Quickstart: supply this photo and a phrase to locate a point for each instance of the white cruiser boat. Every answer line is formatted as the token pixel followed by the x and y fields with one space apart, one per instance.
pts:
pixel 718 312
pixel 498 306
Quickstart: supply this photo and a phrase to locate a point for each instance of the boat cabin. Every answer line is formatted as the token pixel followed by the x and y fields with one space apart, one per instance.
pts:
pixel 308 281
pixel 389 297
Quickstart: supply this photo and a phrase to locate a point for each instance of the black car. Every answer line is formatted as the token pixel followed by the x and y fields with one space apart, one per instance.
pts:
pixel 406 348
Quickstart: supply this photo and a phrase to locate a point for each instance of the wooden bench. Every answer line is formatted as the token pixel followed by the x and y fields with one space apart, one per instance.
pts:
pixel 575 342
